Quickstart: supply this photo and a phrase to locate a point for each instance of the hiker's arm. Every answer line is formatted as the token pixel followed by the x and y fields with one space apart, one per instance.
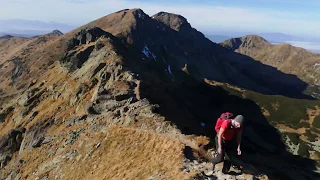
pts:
pixel 221 131
pixel 239 134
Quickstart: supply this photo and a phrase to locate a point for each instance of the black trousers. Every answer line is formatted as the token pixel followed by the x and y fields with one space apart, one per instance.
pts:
pixel 229 150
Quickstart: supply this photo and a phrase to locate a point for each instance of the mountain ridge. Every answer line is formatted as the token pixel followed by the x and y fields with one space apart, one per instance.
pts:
pixel 188 38
pixel 110 89
pixel 284 57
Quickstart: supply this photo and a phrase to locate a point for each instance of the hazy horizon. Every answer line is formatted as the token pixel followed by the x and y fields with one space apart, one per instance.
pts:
pixel 33 28
pixel 283 21
pixel 264 16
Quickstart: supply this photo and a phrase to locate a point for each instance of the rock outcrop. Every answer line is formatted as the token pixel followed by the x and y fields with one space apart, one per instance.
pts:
pixel 9 144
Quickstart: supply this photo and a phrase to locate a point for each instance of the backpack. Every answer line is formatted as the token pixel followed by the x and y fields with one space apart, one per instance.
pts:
pixel 224 117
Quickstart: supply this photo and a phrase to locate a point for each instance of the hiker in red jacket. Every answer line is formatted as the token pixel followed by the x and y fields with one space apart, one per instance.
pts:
pixel 228 139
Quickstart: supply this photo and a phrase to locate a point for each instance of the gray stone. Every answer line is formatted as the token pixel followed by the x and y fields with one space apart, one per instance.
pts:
pixel 208 172
pixel 34 114
pixel 75 120
pixel 5 113
pixel 42 140
pixel 9 144
pixel 73 136
pixel 90 109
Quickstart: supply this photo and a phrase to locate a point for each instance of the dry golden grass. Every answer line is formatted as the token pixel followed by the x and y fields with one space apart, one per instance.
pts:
pixel 284 128
pixel 124 153
pixel 315 155
pixel 10 47
pixel 47 108
pixel 265 112
pixel 275 106
pixel 35 54
pixel 137 90
pixel 216 83
pixel 7 125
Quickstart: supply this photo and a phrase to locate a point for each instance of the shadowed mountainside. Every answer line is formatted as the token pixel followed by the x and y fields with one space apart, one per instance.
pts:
pixel 171 41
pixel 284 57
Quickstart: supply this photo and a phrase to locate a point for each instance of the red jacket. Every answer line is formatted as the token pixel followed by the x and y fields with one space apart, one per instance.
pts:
pixel 229 129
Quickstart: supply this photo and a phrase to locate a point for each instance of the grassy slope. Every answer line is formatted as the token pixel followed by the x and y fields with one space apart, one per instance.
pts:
pixel 287 111
pixel 299 119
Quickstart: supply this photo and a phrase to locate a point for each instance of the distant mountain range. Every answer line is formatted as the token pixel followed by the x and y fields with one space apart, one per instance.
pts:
pixel 26 28
pixel 29 28
pixel 311 44
pixel 271 37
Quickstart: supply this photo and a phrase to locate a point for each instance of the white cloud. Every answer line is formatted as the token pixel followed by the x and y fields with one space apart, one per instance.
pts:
pixel 203 17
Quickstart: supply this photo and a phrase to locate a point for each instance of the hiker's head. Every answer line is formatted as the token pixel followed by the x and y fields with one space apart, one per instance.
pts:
pixel 238 121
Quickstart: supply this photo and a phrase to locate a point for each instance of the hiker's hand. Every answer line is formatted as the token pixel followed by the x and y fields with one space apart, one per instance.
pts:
pixel 219 150
pixel 239 151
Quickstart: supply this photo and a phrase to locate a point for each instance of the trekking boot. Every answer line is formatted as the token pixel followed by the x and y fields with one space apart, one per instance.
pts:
pixel 237 169
pixel 224 170
pixel 226 167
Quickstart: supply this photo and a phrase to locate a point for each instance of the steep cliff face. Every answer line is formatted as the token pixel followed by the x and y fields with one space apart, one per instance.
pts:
pixel 107 109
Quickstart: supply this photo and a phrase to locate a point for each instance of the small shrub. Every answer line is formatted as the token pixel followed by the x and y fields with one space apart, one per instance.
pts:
pixel 284 110
pixel 311 137
pixel 305 124
pixel 294 138
pixel 315 130
pixel 317 153
pixel 316 122
pixel 303 150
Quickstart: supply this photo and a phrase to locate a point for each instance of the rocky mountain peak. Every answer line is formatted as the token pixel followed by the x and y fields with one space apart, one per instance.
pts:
pixel 56 32
pixel 139 14
pixel 6 36
pixel 255 38
pixel 174 21
pixel 87 41
pixel 250 41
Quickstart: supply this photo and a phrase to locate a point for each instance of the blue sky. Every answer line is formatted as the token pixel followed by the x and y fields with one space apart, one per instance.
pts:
pixel 294 17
